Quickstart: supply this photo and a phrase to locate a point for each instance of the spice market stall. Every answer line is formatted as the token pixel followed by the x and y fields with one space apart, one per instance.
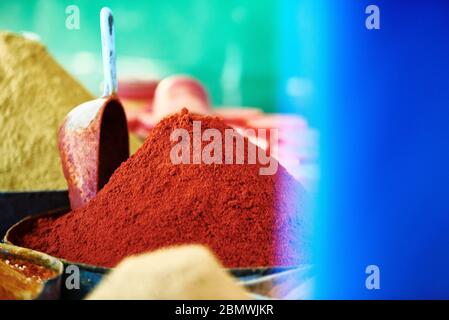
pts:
pixel 210 199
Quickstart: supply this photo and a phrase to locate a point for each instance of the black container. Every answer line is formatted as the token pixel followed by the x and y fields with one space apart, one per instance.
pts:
pixel 14 206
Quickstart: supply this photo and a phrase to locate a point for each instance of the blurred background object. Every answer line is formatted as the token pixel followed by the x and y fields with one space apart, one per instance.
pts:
pixel 231 46
pixel 383 195
pixel 171 273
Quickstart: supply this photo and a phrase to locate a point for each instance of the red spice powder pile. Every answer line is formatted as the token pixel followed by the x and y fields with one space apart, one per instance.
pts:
pixel 246 218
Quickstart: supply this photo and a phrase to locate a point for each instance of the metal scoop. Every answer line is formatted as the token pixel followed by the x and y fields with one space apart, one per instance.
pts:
pixel 93 139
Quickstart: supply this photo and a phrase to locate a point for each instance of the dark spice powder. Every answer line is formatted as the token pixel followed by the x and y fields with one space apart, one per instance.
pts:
pixel 247 219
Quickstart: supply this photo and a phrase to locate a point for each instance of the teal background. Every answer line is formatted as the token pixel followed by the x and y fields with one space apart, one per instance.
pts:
pixel 231 46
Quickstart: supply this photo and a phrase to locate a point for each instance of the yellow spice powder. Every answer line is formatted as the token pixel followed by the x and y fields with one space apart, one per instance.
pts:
pixel 35 95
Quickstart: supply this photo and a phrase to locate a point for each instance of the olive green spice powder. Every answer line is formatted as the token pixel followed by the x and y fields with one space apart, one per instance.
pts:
pixel 36 93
